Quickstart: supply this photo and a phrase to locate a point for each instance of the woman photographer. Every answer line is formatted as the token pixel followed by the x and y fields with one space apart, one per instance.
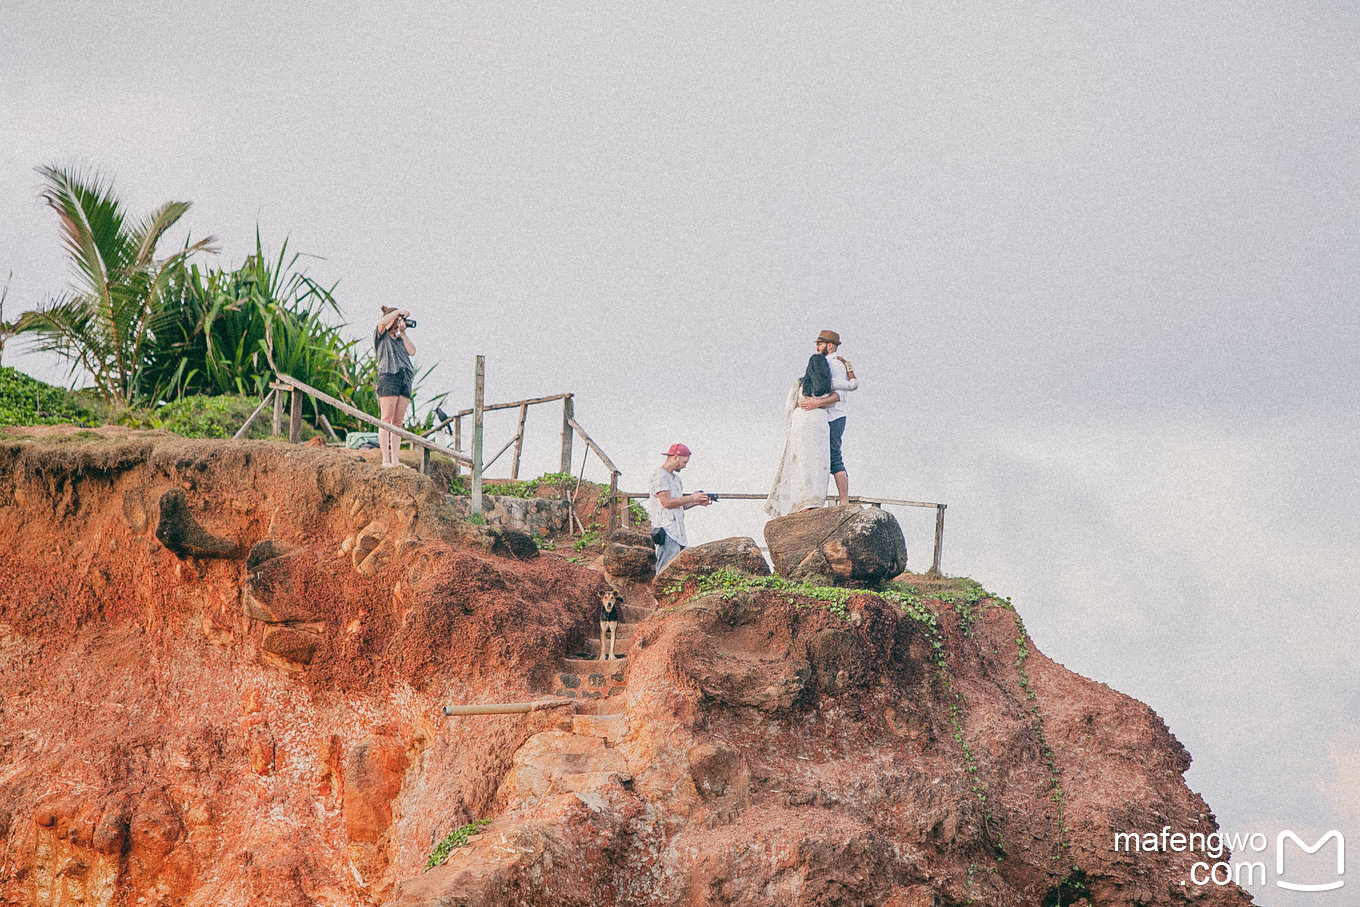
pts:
pixel 393 350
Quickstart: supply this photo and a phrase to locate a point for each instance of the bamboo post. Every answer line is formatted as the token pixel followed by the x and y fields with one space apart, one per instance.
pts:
pixel 326 425
pixel 424 461
pixel 295 419
pixel 939 538
pixel 240 432
pixel 479 387
pixel 519 440
pixel 567 412
pixel 506 708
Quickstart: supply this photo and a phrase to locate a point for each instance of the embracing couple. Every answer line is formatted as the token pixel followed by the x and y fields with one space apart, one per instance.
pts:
pixel 815 423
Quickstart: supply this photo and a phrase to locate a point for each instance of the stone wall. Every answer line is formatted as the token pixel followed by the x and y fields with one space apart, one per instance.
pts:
pixel 540 516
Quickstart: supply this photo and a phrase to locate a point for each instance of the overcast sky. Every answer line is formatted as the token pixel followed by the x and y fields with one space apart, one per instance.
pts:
pixel 1096 266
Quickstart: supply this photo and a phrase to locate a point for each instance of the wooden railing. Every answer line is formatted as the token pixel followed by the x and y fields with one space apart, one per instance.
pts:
pixel 287 384
pixel 629 496
pixel 618 501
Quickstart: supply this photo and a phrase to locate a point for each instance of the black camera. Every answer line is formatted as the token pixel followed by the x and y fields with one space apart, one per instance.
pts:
pixel 410 322
pixel 712 498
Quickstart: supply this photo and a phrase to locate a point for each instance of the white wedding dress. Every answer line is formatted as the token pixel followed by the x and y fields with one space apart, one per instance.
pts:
pixel 805 468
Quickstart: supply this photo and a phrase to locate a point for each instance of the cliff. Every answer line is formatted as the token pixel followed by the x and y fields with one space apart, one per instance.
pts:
pixel 256 720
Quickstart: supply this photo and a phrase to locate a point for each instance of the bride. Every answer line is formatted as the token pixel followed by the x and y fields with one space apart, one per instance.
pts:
pixel 805 467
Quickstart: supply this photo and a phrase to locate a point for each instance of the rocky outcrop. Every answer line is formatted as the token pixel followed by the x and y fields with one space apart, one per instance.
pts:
pixel 194 730
pixel 180 532
pixel 846 545
pixel 740 554
pixel 629 555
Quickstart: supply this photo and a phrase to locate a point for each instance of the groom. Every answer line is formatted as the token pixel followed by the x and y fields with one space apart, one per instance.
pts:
pixel 843 381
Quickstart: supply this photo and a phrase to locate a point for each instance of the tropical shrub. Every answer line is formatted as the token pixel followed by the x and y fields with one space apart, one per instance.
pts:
pixel 227 332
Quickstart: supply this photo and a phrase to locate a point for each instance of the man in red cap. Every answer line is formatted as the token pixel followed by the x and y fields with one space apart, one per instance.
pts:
pixel 669 503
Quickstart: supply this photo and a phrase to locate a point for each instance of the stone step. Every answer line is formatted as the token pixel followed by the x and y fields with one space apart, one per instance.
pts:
pixel 586 678
pixel 622 646
pixel 610 728
pixel 590 666
pixel 609 705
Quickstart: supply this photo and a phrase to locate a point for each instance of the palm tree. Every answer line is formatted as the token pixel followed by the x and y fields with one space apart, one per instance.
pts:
pixel 7 329
pixel 103 324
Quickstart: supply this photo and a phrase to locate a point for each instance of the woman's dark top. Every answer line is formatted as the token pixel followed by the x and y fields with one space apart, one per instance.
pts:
pixel 392 355
pixel 817 378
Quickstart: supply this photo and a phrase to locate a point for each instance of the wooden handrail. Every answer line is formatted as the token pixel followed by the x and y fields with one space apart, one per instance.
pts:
pixel 488 408
pixel 609 464
pixel 372 420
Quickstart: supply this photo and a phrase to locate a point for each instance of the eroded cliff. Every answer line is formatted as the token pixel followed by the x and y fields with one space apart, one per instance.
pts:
pixel 259 722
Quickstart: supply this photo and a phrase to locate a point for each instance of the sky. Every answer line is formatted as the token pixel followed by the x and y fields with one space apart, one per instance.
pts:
pixel 1095 265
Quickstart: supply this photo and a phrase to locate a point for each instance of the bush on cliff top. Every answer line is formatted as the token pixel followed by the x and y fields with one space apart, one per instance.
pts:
pixel 28 401
pixel 210 417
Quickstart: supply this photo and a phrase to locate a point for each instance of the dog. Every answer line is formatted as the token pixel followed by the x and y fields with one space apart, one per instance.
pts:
pixel 609 621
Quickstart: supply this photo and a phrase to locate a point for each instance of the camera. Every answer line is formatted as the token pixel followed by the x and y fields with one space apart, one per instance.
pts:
pixel 410 322
pixel 712 498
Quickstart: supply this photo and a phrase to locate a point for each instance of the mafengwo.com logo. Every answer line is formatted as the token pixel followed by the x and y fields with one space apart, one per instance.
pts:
pixel 1244 859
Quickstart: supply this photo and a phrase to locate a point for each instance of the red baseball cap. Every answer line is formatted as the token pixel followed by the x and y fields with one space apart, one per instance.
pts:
pixel 678 450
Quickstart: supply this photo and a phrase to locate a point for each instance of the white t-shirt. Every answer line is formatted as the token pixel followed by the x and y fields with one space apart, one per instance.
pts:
pixel 671 519
pixel 841 384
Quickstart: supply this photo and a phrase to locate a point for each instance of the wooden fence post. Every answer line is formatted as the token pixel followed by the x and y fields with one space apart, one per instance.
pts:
pixel 519 440
pixel 939 538
pixel 278 412
pixel 479 385
pixel 457 439
pixel 567 412
pixel 613 501
pixel 295 419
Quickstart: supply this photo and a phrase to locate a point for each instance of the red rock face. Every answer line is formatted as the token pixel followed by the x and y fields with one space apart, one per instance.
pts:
pixel 265 730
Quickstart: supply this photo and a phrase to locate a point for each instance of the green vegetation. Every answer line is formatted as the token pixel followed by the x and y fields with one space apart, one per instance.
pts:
pixel 28 401
pixel 104 325
pixel 588 539
pixel 148 329
pixel 220 330
pixel 512 489
pixel 1037 722
pixel 729 583
pixel 907 598
pixel 456 838
pixel 7 328
pixel 208 417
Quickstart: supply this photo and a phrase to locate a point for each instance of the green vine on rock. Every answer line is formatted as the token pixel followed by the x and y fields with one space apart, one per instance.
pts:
pixel 456 838
pixel 1037 723
pixel 730 583
pixel 906 598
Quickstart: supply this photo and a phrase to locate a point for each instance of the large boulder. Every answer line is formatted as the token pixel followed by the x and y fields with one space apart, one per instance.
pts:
pixel 848 545
pixel 629 555
pixel 725 554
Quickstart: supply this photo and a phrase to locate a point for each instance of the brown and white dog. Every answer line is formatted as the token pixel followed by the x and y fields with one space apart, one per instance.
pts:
pixel 609 621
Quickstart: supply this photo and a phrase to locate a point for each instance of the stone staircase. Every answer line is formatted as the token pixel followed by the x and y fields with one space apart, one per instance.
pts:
pixel 587 677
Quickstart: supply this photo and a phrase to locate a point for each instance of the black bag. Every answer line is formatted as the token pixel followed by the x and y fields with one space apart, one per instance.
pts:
pixel 658 536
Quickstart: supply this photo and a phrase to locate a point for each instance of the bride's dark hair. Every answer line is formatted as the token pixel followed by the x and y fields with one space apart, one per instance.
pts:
pixel 817 378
